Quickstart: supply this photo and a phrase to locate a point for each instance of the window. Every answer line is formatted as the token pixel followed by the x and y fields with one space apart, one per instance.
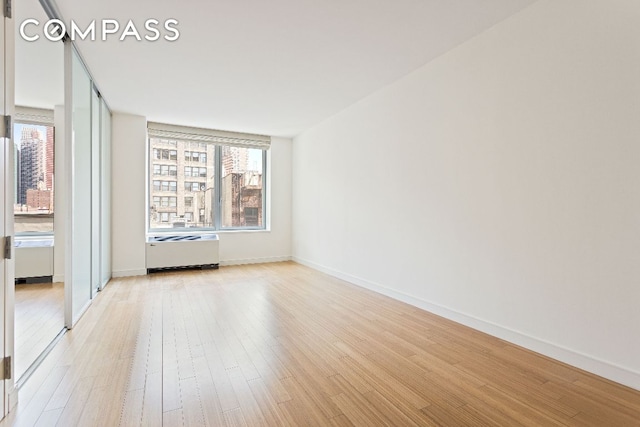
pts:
pixel 34 172
pixel 194 186
pixel 216 186
pixel 164 154
pixel 196 156
pixel 195 171
pixel 251 217
pixel 164 142
pixel 165 170
pixel 242 187
pixel 165 186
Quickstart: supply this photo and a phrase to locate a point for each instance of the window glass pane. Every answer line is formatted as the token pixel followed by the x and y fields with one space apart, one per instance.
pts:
pixel 241 187
pixel 251 217
pixel 192 186
pixel 34 171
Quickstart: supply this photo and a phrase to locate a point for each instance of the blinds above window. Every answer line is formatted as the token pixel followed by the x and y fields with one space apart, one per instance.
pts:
pixel 36 116
pixel 247 140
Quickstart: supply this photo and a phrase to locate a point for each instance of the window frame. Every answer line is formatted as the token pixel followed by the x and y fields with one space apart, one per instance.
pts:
pixel 217 175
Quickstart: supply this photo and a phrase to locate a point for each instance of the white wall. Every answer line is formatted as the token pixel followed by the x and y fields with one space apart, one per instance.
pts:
pixel 105 188
pixel 128 151
pixel 266 246
pixel 497 185
pixel 129 196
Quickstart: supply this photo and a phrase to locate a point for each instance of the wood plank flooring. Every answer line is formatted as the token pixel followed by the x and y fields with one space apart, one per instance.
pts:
pixel 39 319
pixel 281 344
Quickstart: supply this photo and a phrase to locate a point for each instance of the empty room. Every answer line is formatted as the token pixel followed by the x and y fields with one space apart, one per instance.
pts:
pixel 327 213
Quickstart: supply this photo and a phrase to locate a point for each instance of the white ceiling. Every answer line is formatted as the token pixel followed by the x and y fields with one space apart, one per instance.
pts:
pixel 273 67
pixel 39 64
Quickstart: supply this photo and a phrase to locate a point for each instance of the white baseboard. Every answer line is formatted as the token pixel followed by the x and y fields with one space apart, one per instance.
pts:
pixel 128 273
pixel 254 260
pixel 58 278
pixel 580 360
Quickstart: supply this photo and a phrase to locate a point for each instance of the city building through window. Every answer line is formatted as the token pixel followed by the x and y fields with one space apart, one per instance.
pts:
pixel 216 186
pixel 33 205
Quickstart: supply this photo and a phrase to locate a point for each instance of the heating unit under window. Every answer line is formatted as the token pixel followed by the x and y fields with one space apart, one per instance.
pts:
pixel 177 251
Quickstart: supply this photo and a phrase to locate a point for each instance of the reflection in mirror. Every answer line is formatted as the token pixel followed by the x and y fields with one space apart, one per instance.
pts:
pixel 38 150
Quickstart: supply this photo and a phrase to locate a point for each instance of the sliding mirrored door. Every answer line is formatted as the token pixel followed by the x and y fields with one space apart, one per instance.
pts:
pixel 105 194
pixel 95 193
pixel 5 215
pixel 88 249
pixel 78 276
pixel 6 211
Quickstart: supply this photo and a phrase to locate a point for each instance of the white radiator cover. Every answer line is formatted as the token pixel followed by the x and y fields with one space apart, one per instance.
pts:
pixel 34 258
pixel 182 251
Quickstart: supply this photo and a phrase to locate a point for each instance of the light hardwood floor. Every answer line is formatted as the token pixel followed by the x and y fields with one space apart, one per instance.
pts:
pixel 280 344
pixel 39 319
